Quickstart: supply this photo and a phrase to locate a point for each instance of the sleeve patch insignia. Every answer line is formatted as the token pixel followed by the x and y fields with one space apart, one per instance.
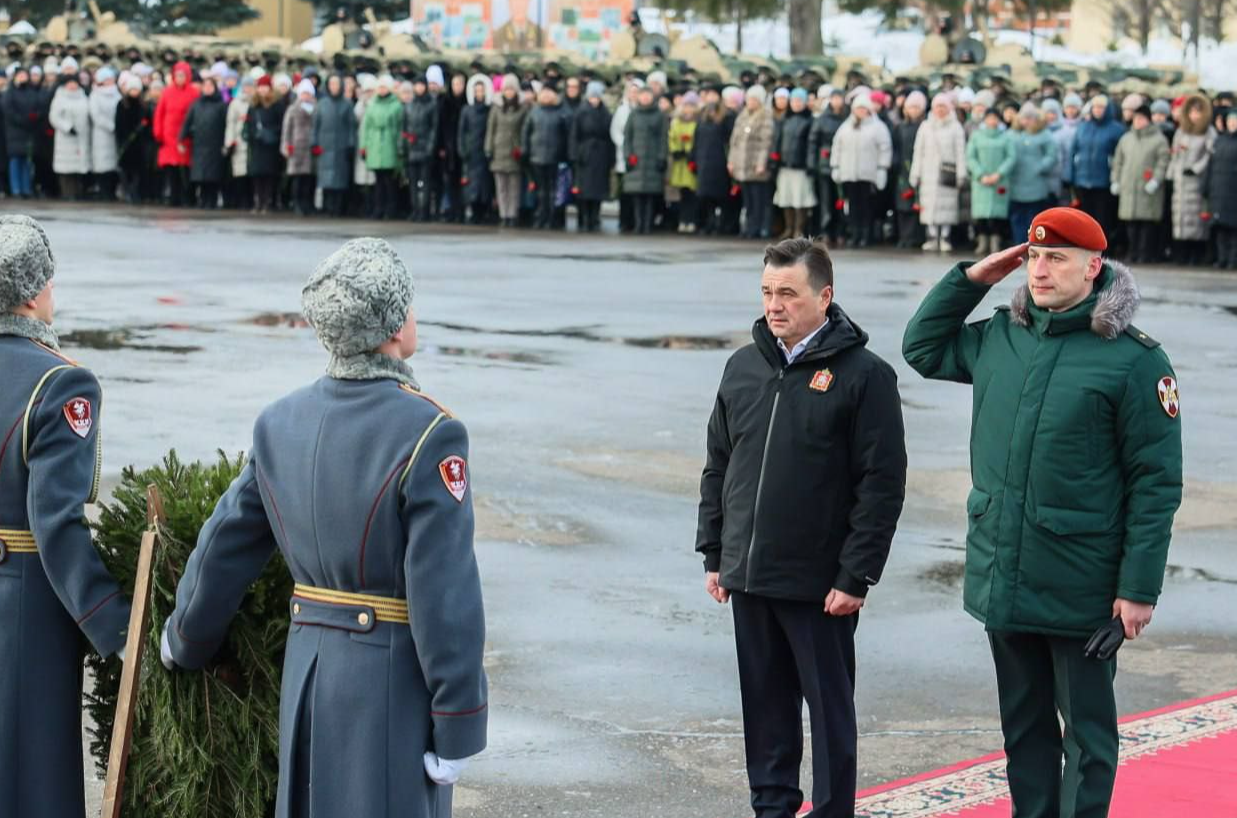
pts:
pixel 454 473
pixel 1169 398
pixel 79 416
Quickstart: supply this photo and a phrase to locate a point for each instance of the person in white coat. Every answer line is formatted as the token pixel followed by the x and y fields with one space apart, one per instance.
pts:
pixel 104 97
pixel 70 120
pixel 238 193
pixel 938 172
pixel 859 162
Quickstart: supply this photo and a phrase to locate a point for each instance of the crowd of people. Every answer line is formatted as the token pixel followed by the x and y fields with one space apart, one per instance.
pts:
pixel 764 158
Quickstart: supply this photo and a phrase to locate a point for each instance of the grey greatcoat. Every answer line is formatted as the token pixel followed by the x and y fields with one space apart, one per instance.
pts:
pixel 335 135
pixel 374 695
pixel 48 599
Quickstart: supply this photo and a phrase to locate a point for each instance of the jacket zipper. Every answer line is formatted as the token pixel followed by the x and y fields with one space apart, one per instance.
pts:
pixel 760 481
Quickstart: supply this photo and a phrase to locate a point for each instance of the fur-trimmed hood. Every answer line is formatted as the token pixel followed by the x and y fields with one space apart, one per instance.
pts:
pixel 1195 101
pixel 1114 306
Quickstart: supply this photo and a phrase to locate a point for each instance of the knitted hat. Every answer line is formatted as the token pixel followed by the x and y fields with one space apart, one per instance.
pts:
pixel 511 82
pixel 658 77
pixel 1051 106
pixel 282 80
pixel 358 297
pixel 596 88
pixel 943 99
pixel 732 94
pixel 691 98
pixel 264 81
pixel 131 83
pixel 367 82
pixel 1161 106
pixel 1132 102
pixel 105 74
pixel 433 76
pixel 966 96
pixel 1098 99
pixel 26 260
pixel 799 94
pixel 306 87
pixel 68 64
pixel 385 81
pixel 916 99
pixel 757 92
pixel 782 93
pixel 1029 109
pixel 985 98
pixel 1144 109
pixel 1071 100
pixel 862 101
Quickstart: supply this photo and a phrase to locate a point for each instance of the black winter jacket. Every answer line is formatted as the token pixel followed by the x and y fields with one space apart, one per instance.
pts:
pixel 790 140
pixel 545 135
pixel 820 138
pixel 592 152
pixel 710 150
pixel 22 110
pixel 419 139
pixel 205 125
pixel 806 467
pixel 1221 190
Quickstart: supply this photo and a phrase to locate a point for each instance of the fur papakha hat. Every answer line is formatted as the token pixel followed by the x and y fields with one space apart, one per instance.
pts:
pixel 26 260
pixel 358 297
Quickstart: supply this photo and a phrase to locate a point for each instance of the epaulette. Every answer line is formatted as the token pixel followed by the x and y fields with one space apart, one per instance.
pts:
pixel 426 397
pixel 58 354
pixel 1141 337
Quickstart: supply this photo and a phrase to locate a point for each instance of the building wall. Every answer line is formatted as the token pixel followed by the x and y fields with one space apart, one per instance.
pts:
pixel 293 19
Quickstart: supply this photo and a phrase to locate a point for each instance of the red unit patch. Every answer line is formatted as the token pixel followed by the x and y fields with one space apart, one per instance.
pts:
pixel 79 416
pixel 454 473
pixel 1169 397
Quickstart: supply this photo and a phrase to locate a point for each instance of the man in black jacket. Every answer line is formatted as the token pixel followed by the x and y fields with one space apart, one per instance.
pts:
pixel 800 497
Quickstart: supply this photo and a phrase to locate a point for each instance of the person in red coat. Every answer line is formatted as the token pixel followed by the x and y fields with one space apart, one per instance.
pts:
pixel 175 155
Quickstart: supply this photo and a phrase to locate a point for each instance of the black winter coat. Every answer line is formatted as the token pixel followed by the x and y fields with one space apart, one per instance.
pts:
pixel 806 467
pixel 21 108
pixel 449 112
pixel 592 152
pixel 904 134
pixel 820 137
pixel 710 149
pixel 263 132
pixel 1221 189
pixel 419 140
pixel 790 140
pixel 545 135
pixel 205 124
pixel 470 146
pixel 135 140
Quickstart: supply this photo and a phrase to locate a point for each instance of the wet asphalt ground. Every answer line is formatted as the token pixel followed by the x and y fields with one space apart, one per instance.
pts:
pixel 585 368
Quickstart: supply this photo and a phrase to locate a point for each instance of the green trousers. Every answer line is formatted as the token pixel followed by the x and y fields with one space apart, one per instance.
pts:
pixel 1055 774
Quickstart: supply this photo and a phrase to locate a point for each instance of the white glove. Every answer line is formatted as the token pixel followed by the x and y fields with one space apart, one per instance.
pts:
pixel 882 179
pixel 442 771
pixel 1116 189
pixel 165 650
pixel 1152 186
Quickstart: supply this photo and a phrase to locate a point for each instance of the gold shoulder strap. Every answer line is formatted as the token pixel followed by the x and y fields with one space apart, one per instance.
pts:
pixel 25 422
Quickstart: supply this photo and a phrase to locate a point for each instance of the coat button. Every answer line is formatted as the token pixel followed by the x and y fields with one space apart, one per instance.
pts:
pixel 362 618
pixel 296 607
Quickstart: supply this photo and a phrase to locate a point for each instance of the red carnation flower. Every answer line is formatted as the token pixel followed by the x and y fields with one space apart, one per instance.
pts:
pixel 916 207
pixel 775 156
pixel 532 186
pixel 463 180
pixel 824 153
pixel 734 191
pixel 575 191
pixel 1205 216
pixel 631 161
pixel 1075 203
pixel 291 149
pixel 908 194
pixel 839 204
pixel 1147 174
pixel 1000 191
pixel 316 150
pixel 686 137
pixel 691 166
pixel 516 154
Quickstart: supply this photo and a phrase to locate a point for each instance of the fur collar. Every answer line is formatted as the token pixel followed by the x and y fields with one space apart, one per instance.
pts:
pixel 1114 308
pixel 31 328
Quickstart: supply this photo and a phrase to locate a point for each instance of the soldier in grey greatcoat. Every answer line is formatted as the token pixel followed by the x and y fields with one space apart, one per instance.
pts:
pixel 384 694
pixel 53 585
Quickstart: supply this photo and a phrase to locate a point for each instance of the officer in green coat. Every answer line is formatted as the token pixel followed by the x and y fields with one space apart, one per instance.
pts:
pixel 1076 468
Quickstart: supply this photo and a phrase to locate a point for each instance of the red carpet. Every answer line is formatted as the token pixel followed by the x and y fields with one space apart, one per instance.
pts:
pixel 1179 762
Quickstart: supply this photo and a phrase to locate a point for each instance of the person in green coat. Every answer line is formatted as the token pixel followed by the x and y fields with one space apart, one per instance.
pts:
pixel 1139 168
pixel 989 161
pixel 1076 468
pixel 379 144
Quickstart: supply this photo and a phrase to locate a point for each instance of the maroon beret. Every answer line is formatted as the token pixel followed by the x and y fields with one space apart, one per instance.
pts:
pixel 1067 227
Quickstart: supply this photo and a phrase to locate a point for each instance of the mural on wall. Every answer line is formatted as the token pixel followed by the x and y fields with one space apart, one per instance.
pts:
pixel 584 26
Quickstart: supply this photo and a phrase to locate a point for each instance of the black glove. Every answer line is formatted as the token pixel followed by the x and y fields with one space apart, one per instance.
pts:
pixel 1190 172
pixel 1104 643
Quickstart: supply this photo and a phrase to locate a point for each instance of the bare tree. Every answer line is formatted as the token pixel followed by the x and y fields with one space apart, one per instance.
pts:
pixel 1137 18
pixel 805 19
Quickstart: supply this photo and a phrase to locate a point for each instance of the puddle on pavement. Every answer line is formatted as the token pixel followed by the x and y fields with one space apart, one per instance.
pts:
pixel 623 258
pixel 1196 574
pixel 128 338
pixel 948 573
pixel 500 520
pixel 674 342
pixel 499 356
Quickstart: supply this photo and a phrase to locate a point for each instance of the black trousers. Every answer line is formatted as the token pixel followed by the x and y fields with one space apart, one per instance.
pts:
pixel 385 188
pixel 758 203
pixel 646 210
pixel 861 198
pixel 790 652
pixel 263 192
pixel 1101 205
pixel 546 178
pixel 421 189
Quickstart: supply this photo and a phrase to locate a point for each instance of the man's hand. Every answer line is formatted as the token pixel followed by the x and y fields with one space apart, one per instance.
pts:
pixel 715 590
pixel 997 266
pixel 1134 615
pixel 840 603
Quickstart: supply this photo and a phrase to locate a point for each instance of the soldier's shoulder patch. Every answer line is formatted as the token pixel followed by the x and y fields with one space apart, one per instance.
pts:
pixel 1141 337
pixel 427 399
pixel 79 414
pixel 454 471
pixel 1170 397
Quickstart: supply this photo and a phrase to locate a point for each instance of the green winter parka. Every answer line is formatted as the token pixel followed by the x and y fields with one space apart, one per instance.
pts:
pixel 1075 451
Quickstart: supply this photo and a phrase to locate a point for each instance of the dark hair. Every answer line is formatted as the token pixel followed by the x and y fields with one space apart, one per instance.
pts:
pixel 811 254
